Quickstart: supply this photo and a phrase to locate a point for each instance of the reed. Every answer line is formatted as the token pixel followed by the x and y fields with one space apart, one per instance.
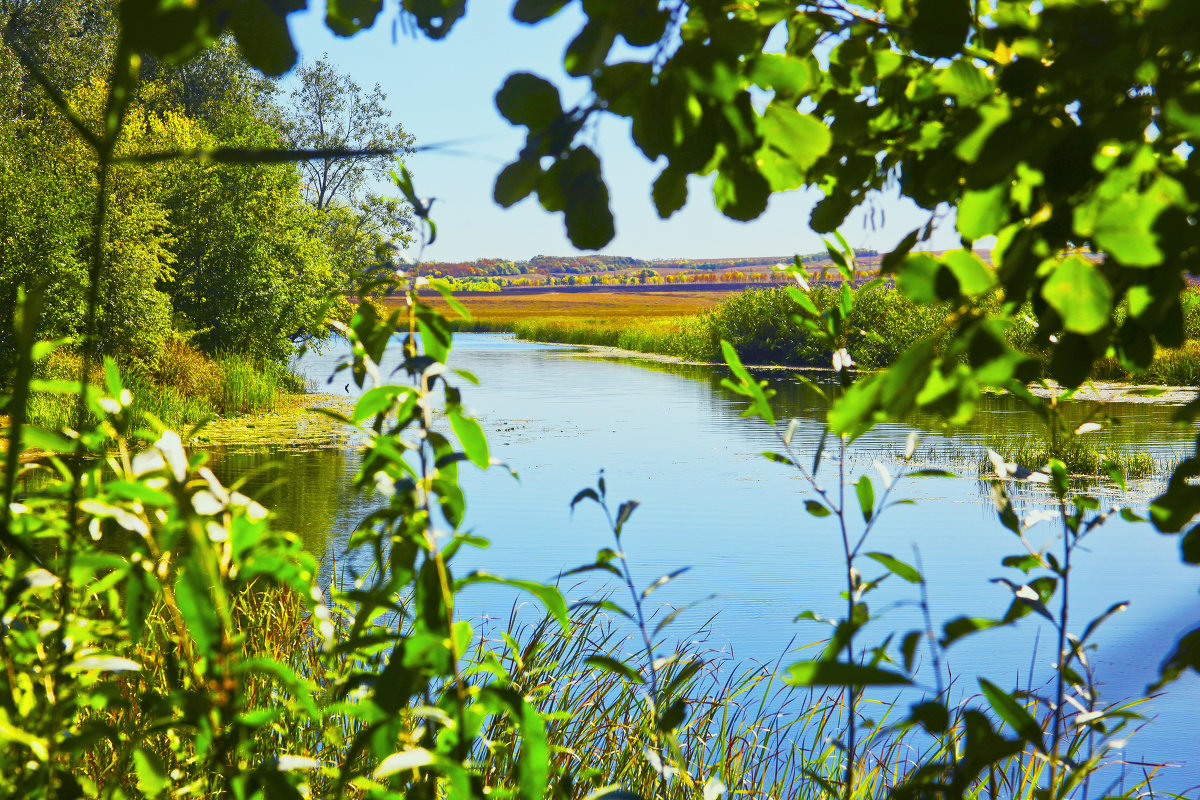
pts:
pixel 685 337
pixel 744 728
pixel 1080 454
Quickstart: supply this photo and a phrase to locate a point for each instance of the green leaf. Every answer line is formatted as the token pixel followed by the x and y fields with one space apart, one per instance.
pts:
pixel 787 76
pixel 533 11
pixel 528 100
pixel 589 221
pixel 932 716
pixel 1009 710
pixel 982 212
pixel 402 761
pixel 549 596
pixel 436 334
pixel 260 27
pixel 587 51
pixel 1080 294
pixel 816 509
pixel 151 772
pixel 670 191
pixel 974 277
pixel 908 647
pixel 747 386
pixel 1184 656
pixel 799 138
pixel 897 566
pixel 866 497
pixel 619 668
pixel 837 673
pixel 196 606
pixel 584 494
pixel 516 182
pixel 940 26
pixel 470 435
pixel 673 716
pixel 347 17
pixel 740 191
pixel 533 769
pixel 966 82
pixel 662 581
pixel 959 627
pixel 1124 224
pixel 918 278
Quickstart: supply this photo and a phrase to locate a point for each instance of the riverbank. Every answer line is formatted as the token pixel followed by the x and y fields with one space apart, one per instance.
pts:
pixel 182 387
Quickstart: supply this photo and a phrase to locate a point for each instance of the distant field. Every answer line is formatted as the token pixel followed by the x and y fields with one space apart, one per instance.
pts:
pixel 501 308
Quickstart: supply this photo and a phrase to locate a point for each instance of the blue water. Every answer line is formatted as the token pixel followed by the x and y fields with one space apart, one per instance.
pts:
pixel 672 438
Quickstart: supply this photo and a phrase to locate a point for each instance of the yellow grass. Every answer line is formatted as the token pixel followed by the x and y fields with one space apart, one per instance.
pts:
pixel 599 307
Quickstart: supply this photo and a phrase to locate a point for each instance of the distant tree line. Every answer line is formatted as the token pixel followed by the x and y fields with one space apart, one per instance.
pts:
pixel 595 264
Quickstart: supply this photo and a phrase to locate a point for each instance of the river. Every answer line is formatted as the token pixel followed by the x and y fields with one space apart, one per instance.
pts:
pixel 670 436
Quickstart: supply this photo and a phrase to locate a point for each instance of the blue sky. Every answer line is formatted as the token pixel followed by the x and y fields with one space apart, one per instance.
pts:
pixel 442 91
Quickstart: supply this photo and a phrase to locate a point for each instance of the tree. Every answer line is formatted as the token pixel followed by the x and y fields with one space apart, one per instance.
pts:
pixel 71 41
pixel 329 110
pixel 217 86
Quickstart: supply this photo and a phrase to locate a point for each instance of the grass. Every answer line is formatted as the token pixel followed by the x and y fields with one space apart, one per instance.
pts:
pixel 1081 455
pixel 685 337
pixel 496 312
pixel 184 388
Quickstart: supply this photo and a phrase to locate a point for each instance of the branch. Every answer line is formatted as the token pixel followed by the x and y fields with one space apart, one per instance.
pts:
pixel 252 155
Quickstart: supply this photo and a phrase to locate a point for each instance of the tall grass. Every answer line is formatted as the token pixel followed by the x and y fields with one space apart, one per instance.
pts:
pixel 183 388
pixel 1081 455
pixel 685 337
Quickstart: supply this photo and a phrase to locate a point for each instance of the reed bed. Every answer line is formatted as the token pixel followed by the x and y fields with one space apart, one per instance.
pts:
pixel 1080 454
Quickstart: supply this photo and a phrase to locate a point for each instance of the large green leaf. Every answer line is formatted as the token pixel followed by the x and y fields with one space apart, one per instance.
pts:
pixel 470 435
pixel 516 181
pixel 740 191
pixel 838 673
pixel 528 100
pixel 1012 712
pixel 982 212
pixel 1080 294
pixel 800 138
pixel 586 213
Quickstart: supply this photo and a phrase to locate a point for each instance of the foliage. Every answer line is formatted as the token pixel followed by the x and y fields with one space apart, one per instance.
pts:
pixel 121 554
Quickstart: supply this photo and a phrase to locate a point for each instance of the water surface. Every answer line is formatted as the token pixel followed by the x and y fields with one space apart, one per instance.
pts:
pixel 671 437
